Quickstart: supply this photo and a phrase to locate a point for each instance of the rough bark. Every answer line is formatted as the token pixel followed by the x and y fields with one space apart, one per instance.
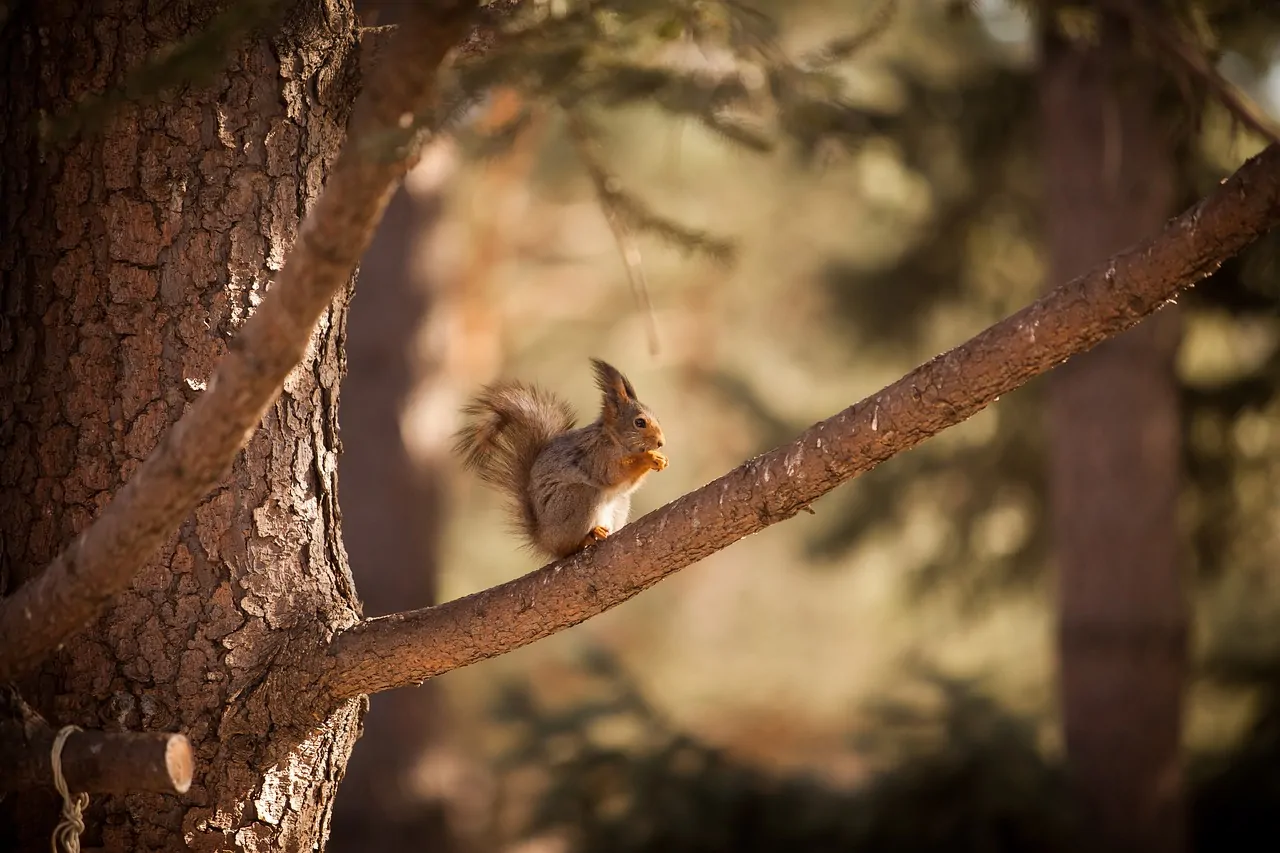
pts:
pixel 1115 457
pixel 130 260
pixel 132 263
pixel 407 648
pixel 384 136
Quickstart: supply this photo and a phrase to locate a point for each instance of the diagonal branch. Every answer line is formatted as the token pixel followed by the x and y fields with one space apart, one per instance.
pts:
pixel 407 648
pixel 382 140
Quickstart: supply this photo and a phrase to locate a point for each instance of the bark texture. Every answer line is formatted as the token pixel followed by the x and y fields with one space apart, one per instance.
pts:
pixel 189 461
pixel 130 262
pixel 1115 457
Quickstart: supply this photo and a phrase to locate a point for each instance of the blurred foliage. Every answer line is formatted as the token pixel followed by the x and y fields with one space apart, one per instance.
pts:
pixel 973 254
pixel 1236 796
pixel 990 500
pixel 965 133
pixel 719 64
pixel 952 769
pixel 927 112
pixel 970 137
pixel 966 778
pixel 958 118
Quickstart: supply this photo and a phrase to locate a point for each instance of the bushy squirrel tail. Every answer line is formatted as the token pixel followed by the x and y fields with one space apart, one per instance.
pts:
pixel 508 425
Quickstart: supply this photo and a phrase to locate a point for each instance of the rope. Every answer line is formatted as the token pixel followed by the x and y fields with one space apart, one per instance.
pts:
pixel 66 835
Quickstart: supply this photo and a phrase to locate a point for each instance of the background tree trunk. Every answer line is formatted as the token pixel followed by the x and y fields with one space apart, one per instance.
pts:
pixel 1115 457
pixel 396 794
pixel 400 790
pixel 130 259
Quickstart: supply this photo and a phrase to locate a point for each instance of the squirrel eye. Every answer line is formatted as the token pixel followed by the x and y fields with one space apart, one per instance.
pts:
pixel 641 423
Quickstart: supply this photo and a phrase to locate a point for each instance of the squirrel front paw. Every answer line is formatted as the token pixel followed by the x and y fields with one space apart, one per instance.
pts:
pixel 656 458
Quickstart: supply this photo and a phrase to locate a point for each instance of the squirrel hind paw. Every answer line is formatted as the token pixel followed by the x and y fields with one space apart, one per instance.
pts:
pixel 594 535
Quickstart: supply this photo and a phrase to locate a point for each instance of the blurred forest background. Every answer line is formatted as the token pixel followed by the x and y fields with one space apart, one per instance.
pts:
pixel 882 674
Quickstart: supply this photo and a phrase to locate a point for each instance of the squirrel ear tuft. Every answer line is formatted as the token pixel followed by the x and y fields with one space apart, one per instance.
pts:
pixel 612 384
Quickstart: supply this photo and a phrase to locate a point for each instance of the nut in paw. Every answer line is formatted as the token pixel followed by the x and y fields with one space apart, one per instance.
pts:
pixel 657 459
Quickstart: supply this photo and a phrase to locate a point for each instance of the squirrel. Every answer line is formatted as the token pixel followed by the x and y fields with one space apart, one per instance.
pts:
pixel 569 486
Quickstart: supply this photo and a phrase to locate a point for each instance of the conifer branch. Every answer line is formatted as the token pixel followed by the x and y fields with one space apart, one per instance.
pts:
pixel 1182 52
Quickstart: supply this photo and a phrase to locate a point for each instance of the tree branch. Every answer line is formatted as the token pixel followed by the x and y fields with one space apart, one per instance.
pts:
pixel 382 139
pixel 407 648
pixel 96 762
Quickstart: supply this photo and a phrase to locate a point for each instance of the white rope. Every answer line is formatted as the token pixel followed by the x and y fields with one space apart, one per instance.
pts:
pixel 66 835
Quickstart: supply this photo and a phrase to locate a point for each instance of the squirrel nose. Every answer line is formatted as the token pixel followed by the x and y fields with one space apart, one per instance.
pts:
pixel 661 442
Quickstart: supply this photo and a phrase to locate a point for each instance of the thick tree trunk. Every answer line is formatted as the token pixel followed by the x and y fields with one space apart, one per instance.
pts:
pixel 130 259
pixel 1115 457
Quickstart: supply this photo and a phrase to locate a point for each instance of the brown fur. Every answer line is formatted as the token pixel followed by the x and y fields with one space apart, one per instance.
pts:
pixel 511 424
pixel 569 487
